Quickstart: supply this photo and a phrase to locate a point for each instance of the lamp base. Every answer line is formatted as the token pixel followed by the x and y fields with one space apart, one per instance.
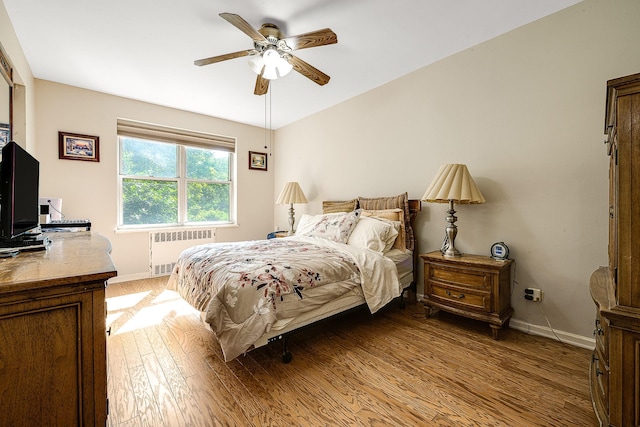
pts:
pixel 292 221
pixel 448 246
pixel 451 252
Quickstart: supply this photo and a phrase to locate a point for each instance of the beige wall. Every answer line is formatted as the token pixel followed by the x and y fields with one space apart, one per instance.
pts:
pixel 89 189
pixel 525 112
pixel 24 103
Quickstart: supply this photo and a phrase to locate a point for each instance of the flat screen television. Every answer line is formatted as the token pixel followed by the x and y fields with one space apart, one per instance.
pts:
pixel 19 179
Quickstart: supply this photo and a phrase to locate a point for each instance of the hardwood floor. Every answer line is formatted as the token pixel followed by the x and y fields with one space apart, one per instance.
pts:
pixel 392 368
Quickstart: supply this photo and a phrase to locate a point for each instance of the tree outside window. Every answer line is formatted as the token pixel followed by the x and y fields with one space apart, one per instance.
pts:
pixel 172 184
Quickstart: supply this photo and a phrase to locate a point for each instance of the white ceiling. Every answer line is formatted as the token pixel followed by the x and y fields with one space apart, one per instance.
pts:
pixel 144 49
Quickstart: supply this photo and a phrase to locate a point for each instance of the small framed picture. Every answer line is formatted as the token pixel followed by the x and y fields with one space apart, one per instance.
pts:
pixel 4 134
pixel 73 146
pixel 257 161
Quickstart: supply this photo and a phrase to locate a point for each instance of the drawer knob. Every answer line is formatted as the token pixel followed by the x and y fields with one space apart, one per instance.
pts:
pixel 455 296
pixel 599 372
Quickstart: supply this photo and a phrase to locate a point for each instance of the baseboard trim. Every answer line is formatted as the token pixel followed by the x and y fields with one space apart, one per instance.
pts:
pixel 544 331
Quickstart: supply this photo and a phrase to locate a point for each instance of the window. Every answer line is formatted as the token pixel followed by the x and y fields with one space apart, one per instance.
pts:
pixel 172 177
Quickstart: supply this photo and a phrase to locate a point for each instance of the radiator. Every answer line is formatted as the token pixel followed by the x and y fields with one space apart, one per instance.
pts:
pixel 166 246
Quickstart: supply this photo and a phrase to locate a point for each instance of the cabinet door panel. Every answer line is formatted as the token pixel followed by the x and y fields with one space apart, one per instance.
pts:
pixel 44 362
pixel 628 200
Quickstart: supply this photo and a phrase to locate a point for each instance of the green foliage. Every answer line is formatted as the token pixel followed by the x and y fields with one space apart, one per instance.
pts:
pixel 207 164
pixel 148 158
pixel 207 202
pixel 147 200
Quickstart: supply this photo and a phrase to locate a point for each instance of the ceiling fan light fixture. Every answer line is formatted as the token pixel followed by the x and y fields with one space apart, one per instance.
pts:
pixel 269 64
pixel 256 63
pixel 269 73
pixel 283 67
pixel 271 57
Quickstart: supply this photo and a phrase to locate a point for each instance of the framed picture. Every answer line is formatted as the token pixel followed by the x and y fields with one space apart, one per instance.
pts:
pixel 257 161
pixel 73 146
pixel 4 134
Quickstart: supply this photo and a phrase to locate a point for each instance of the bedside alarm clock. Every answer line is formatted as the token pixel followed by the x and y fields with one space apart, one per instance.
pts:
pixel 499 251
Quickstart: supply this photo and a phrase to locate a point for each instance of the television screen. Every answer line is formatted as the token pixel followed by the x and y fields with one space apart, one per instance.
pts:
pixel 19 179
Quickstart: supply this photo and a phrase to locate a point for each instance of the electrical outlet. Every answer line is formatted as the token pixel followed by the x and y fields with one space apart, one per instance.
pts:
pixel 533 294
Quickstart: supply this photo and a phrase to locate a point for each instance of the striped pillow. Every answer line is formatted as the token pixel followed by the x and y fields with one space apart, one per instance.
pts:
pixel 395 202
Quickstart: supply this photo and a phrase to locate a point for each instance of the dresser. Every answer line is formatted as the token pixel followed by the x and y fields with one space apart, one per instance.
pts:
pixel 52 333
pixel 473 286
pixel 615 288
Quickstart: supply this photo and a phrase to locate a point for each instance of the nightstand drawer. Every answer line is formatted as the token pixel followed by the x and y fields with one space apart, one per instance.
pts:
pixel 464 297
pixel 462 278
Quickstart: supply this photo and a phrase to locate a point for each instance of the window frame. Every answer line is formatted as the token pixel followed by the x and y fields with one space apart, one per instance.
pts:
pixel 181 179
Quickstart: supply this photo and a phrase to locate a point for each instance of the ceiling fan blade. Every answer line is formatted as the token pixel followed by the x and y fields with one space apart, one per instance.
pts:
pixel 220 58
pixel 312 39
pixel 308 71
pixel 262 86
pixel 238 22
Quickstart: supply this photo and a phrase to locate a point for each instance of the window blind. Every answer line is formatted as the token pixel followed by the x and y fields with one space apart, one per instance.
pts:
pixel 160 133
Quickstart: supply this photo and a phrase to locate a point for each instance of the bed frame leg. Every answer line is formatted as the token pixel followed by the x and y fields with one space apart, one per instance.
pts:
pixel 412 287
pixel 286 354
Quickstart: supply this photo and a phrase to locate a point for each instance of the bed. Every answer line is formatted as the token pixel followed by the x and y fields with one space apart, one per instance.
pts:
pixel 357 252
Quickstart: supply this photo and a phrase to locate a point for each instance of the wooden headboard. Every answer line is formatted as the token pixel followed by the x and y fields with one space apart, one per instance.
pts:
pixel 414 205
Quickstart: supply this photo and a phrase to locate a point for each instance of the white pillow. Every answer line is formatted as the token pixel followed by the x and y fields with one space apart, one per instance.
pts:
pixel 374 234
pixel 336 226
pixel 306 223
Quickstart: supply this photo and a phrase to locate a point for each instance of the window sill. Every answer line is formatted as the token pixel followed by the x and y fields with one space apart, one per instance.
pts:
pixel 173 228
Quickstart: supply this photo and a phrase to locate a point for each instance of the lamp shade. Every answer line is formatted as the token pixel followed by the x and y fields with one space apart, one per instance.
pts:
pixel 290 194
pixel 453 182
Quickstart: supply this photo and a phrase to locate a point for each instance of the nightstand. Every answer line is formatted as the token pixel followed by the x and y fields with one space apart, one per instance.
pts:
pixel 474 286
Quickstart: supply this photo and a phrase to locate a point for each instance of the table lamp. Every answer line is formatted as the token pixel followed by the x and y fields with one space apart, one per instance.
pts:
pixel 291 193
pixel 452 184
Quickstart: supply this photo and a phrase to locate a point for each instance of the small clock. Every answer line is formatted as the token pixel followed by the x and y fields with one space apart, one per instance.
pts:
pixel 499 251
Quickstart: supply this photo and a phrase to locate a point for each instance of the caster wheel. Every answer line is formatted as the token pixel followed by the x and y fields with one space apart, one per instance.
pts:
pixel 286 357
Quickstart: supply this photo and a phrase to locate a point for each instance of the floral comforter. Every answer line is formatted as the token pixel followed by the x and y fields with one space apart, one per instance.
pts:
pixel 245 287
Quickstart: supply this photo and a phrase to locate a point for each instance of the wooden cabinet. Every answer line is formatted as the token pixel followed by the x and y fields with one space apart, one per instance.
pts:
pixel 52 333
pixel 474 286
pixel 615 289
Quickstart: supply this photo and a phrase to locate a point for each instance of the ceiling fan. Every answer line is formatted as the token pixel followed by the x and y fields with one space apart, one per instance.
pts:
pixel 271 54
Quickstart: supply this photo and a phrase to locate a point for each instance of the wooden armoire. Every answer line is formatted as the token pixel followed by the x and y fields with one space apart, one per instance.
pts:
pixel 615 364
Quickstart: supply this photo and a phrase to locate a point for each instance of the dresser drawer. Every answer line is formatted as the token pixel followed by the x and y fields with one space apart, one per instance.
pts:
pixel 601 334
pixel 600 379
pixel 465 278
pixel 458 295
